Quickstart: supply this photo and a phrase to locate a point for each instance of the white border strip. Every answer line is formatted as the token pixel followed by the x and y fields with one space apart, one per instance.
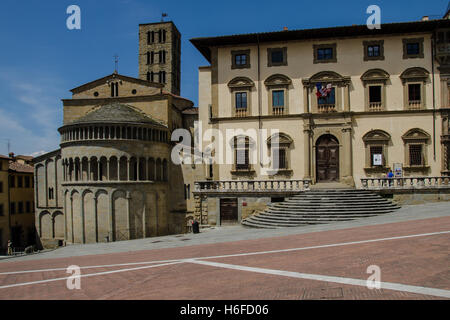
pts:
pixel 237 254
pixel 349 281
pixel 87 275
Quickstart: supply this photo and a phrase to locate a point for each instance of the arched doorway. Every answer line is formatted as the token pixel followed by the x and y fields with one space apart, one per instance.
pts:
pixel 327 159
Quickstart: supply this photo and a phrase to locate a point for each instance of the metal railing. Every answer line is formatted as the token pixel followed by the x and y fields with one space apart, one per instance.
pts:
pixel 406 182
pixel 252 185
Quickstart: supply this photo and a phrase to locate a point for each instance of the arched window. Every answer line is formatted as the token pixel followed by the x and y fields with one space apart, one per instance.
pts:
pixel 376 144
pixel 279 146
pixel 324 92
pixel 243 157
pixel 416 151
pixel 374 81
pixel 278 90
pixel 414 81
pixel 241 88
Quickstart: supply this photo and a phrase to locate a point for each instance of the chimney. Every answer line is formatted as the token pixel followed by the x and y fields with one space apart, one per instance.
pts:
pixel 425 18
pixel 285 29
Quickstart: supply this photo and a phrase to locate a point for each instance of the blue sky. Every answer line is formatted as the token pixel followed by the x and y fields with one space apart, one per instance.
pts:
pixel 41 60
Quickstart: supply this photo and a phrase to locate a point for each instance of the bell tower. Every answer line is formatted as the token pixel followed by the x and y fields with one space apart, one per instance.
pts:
pixel 160 54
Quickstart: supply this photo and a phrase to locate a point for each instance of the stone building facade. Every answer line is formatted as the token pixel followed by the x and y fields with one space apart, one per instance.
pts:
pixel 112 178
pixel 16 202
pixel 349 103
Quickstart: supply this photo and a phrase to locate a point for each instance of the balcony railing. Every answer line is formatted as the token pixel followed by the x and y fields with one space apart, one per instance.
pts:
pixel 324 108
pixel 252 185
pixel 414 104
pixel 241 112
pixel 406 183
pixel 375 106
pixel 277 111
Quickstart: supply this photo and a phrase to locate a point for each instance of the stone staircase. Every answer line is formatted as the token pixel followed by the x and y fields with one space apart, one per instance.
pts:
pixel 321 206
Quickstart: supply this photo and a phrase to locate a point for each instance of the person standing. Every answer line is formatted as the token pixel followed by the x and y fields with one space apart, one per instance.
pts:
pixel 10 249
pixel 390 175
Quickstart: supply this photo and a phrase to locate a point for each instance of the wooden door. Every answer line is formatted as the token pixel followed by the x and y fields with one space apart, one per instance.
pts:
pixel 327 159
pixel 228 211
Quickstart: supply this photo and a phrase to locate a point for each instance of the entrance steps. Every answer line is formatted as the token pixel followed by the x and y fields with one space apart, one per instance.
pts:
pixel 320 206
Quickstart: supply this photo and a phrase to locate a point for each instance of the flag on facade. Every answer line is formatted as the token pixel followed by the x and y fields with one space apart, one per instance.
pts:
pixel 323 91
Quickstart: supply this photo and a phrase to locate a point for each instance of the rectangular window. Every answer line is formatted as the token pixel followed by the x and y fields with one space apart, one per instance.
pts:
pixel 240 59
pixel 28 207
pixel 19 182
pixel 324 53
pixel 376 150
pixel 27 182
pixel 414 93
pixel 328 99
pixel 412 48
pixel 277 56
pixel 241 100
pixel 278 98
pixel 375 94
pixel 373 51
pixel 2 211
pixel 12 208
pixel 1 186
pixel 415 155
pixel 242 159
pixel 20 207
pixel 282 163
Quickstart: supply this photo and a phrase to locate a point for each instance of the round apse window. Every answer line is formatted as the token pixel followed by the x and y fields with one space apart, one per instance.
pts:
pixel 134 91
pixel 95 94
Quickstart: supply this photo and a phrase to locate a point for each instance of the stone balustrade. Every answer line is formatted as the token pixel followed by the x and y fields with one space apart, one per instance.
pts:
pixel 252 185
pixel 406 182
pixel 325 108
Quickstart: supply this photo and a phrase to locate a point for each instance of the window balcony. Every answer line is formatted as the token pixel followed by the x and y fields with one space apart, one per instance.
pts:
pixel 375 106
pixel 414 105
pixel 326 108
pixel 241 112
pixel 277 111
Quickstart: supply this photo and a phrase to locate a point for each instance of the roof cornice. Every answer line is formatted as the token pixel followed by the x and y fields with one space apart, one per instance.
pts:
pixel 205 43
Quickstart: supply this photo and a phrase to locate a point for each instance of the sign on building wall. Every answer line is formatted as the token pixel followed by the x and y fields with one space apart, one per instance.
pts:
pixel 398 170
pixel 377 159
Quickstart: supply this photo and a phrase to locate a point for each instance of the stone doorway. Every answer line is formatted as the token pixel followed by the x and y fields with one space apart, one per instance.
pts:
pixel 327 159
pixel 228 211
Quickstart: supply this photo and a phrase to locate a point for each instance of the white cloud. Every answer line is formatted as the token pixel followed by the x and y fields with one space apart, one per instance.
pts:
pixel 30 113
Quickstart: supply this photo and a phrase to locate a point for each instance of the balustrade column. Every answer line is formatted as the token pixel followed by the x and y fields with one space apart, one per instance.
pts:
pixel 89 170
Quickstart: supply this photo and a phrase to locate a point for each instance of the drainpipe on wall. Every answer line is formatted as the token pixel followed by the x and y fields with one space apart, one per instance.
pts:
pixel 9 204
pixel 433 43
pixel 259 103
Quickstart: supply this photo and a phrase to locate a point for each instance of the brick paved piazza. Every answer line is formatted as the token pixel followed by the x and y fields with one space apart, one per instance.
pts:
pixel 411 247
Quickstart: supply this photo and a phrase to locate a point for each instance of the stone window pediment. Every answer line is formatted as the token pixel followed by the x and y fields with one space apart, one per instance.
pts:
pixel 241 83
pixel 416 135
pixel 327 77
pixel 277 80
pixel 414 74
pixel 375 75
pixel 376 136
pixel 283 139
